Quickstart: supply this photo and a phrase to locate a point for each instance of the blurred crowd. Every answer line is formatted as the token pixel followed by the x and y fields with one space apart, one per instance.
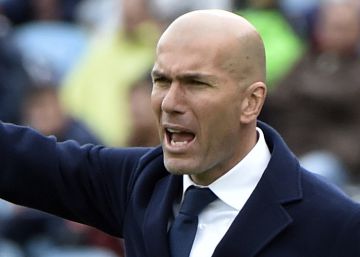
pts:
pixel 79 69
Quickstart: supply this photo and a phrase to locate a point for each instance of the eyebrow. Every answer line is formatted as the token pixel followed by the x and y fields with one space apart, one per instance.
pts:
pixel 186 76
pixel 157 74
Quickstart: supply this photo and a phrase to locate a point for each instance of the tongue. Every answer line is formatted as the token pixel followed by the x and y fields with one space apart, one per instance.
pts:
pixel 182 137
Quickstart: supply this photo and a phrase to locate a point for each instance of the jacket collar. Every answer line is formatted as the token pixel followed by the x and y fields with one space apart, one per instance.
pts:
pixel 264 216
pixel 158 213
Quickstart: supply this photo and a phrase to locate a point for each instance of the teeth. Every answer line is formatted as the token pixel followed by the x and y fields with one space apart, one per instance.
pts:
pixel 179 143
pixel 174 130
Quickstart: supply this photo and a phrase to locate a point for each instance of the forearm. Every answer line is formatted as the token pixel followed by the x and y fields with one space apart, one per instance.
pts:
pixel 65 179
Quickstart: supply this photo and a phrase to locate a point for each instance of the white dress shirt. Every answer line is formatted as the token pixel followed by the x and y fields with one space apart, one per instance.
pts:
pixel 233 190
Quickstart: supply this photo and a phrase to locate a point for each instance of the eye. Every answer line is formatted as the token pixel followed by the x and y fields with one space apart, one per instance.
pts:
pixel 161 81
pixel 197 83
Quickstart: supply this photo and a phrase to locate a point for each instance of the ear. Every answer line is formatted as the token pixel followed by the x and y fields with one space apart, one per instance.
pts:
pixel 254 98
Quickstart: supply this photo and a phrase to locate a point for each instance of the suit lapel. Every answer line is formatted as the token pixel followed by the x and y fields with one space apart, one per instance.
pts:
pixel 158 213
pixel 264 215
pixel 257 224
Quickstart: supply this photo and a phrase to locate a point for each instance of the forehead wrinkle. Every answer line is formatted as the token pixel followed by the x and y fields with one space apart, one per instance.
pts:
pixel 195 75
pixel 186 76
pixel 180 62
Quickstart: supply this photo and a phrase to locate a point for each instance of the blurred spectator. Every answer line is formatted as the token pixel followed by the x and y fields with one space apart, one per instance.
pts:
pixel 46 29
pixel 300 14
pixel 170 9
pixel 283 46
pixel 14 79
pixel 93 237
pixel 8 249
pixel 40 234
pixel 99 16
pixel 44 112
pixel 143 126
pixel 57 43
pixel 316 107
pixel 97 90
pixel 22 11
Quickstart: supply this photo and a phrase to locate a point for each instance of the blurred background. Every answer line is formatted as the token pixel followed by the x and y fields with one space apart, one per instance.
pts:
pixel 79 69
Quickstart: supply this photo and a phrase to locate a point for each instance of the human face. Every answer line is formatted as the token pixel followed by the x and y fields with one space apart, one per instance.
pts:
pixel 338 29
pixel 198 107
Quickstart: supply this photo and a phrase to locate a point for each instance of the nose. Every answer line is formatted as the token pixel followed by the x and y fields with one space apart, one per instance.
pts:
pixel 173 101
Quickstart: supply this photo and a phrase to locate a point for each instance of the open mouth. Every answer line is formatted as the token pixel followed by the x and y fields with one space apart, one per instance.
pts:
pixel 179 138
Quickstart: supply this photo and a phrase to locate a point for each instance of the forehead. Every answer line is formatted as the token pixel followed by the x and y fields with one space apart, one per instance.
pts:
pixel 177 54
pixel 340 14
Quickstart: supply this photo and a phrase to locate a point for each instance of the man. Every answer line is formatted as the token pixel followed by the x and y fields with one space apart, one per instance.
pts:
pixel 325 82
pixel 208 91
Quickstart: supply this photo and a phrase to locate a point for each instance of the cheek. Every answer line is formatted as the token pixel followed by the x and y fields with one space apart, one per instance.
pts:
pixel 156 100
pixel 220 111
pixel 220 122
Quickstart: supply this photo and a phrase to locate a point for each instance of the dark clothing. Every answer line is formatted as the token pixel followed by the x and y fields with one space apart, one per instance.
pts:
pixel 317 107
pixel 127 192
pixel 22 11
pixel 27 225
pixel 14 81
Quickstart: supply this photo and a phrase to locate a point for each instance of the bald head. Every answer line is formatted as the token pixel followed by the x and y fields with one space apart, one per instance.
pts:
pixel 229 38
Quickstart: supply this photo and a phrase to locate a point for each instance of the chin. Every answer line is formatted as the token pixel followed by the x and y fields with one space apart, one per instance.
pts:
pixel 177 167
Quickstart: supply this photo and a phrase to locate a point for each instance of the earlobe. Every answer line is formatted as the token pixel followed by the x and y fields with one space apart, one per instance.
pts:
pixel 253 102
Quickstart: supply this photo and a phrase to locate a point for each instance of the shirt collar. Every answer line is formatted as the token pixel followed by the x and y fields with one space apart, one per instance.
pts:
pixel 235 187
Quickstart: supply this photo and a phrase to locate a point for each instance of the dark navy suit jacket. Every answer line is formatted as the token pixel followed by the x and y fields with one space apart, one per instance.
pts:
pixel 128 193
